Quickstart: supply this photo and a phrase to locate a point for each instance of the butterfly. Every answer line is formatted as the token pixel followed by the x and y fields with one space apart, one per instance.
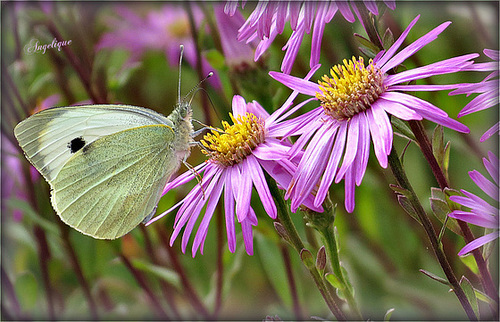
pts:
pixel 106 165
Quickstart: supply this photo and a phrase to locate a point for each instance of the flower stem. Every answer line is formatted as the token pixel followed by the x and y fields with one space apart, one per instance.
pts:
pixel 292 236
pixel 426 148
pixel 323 223
pixel 402 179
pixel 141 280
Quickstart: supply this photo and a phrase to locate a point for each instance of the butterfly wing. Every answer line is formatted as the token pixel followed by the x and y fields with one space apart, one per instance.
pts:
pixel 109 186
pixel 51 137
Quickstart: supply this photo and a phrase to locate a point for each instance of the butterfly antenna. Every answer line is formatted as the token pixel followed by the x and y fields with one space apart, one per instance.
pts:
pixel 180 68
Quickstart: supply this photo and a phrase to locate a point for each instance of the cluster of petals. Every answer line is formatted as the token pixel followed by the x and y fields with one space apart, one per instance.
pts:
pixel 481 213
pixel 487 90
pixel 269 18
pixel 328 138
pixel 236 183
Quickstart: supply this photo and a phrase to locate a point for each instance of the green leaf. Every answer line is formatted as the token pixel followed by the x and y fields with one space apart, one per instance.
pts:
pixel 388 38
pixel 33 215
pixel 406 205
pixel 441 210
pixel 435 277
pixel 438 144
pixel 484 298
pixel 470 294
pixel 446 159
pixel 367 47
pixel 470 262
pixel 307 258
pixel 347 280
pixel 333 280
pixel 388 314
pixel 26 287
pixel 164 273
pixel 402 129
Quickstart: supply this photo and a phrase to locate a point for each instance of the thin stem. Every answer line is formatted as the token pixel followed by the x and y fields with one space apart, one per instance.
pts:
pixel 292 236
pixel 10 293
pixel 402 179
pixel 78 269
pixel 299 315
pixel 83 73
pixel 165 287
pixel 142 283
pixel 323 223
pixel 199 65
pixel 188 288
pixel 426 148
pixel 220 264
pixel 332 251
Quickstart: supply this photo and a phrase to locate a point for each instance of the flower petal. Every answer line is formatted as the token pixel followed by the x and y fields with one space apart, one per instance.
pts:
pixel 253 170
pixel 486 221
pixel 414 47
pixel 333 162
pixel 351 147
pixel 242 190
pixel 229 214
pixel 392 50
pixel 213 200
pixel 487 186
pixel 478 242
pixel 297 84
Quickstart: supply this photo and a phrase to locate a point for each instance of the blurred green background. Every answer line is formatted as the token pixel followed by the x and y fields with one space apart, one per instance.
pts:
pixel 50 271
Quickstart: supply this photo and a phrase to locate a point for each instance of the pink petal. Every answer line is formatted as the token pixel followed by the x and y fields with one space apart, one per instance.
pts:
pixel 252 168
pixel 391 51
pixel 295 83
pixel 333 162
pixel 351 146
pixel 414 47
pixel 487 186
pixel 478 242
pixel 229 214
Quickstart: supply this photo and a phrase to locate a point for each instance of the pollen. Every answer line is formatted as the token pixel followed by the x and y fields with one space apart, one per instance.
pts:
pixel 235 142
pixel 351 89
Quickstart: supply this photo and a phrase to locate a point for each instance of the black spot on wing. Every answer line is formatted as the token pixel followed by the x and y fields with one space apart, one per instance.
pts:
pixel 76 144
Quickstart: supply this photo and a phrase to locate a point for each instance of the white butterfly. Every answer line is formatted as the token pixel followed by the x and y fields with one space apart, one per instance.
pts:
pixel 106 164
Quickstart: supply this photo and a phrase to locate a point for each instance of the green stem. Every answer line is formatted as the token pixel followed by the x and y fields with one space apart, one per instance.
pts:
pixel 402 179
pixel 323 223
pixel 328 236
pixel 292 236
pixel 426 148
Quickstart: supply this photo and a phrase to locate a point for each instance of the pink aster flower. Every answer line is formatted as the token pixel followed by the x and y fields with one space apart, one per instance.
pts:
pixel 356 102
pixel 481 212
pixel 239 155
pixel 269 18
pixel 487 90
pixel 164 29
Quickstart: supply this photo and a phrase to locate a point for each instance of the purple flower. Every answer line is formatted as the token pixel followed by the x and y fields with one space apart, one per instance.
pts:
pixel 355 103
pixel 238 156
pixel 481 212
pixel 238 55
pixel 269 18
pixel 164 29
pixel 487 90
pixel 13 181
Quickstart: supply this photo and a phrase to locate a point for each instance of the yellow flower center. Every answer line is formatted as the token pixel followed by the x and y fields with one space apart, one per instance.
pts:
pixel 351 89
pixel 234 142
pixel 180 28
